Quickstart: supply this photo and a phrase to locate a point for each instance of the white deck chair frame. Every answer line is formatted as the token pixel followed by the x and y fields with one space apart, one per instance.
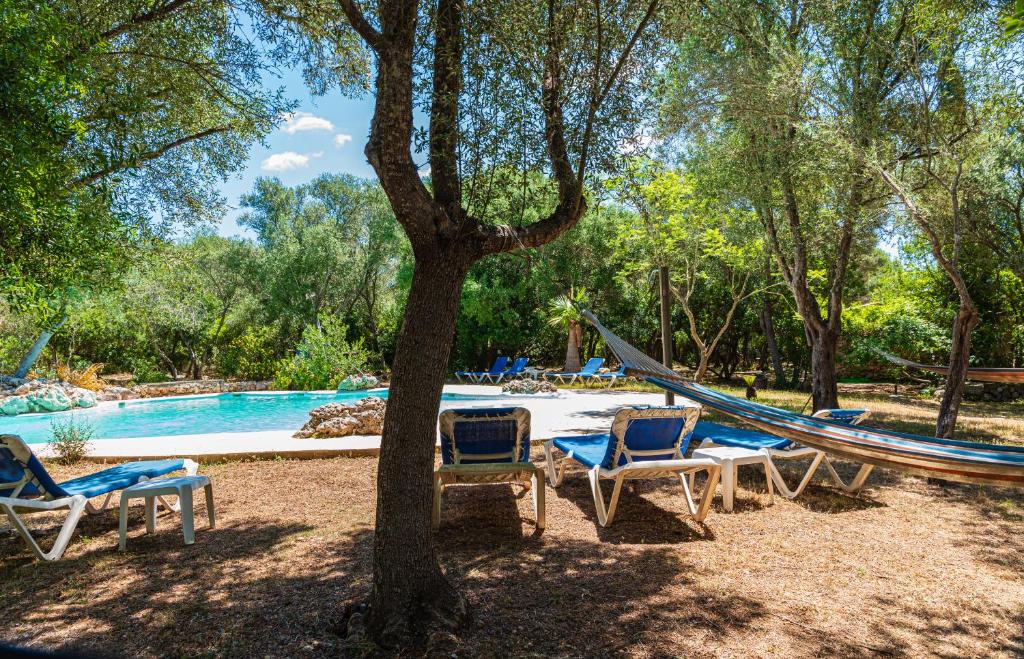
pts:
pixel 77 506
pixel 674 466
pixel 527 474
pixel 817 458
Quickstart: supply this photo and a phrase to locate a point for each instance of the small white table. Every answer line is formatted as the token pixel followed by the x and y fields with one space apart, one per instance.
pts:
pixel 181 487
pixel 730 458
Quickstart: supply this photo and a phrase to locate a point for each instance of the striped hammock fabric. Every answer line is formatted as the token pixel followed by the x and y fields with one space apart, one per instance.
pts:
pixel 1004 375
pixel 948 459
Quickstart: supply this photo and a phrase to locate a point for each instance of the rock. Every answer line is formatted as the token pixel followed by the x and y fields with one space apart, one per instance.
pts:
pixel 526 386
pixel 14 405
pixel 116 393
pixel 194 387
pixel 974 388
pixel 49 399
pixel 85 398
pixel 365 417
pixel 358 382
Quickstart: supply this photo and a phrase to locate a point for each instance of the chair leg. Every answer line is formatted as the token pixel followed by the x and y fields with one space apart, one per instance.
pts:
pixel 728 484
pixel 76 508
pixel 188 523
pixel 768 477
pixel 538 497
pixel 687 481
pixel 858 481
pixel 604 516
pixel 210 515
pixel 435 517
pixel 714 472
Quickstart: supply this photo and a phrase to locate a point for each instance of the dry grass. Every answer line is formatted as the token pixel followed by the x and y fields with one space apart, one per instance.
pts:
pixel 909 568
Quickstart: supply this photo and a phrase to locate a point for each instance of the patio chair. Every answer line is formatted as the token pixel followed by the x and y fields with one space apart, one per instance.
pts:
pixel 609 377
pixel 590 368
pixel 645 442
pixel 26 487
pixel 477 376
pixel 779 448
pixel 487 445
pixel 517 368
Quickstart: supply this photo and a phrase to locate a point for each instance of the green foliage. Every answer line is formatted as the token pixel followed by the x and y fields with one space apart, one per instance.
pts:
pixel 70 439
pixel 249 356
pixel 322 359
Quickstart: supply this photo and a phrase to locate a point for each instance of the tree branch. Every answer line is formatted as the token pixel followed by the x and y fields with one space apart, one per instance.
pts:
pixel 358 21
pixel 444 107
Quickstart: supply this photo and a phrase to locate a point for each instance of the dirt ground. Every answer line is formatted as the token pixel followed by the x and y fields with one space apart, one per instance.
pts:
pixel 908 568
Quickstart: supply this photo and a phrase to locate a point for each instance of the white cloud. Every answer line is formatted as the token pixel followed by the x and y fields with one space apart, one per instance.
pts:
pixel 341 139
pixel 425 172
pixel 283 162
pixel 296 122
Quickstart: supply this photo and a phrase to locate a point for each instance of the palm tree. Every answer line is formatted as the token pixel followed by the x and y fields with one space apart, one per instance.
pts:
pixel 564 311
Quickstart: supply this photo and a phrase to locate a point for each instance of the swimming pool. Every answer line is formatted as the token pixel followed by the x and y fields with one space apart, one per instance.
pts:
pixel 193 415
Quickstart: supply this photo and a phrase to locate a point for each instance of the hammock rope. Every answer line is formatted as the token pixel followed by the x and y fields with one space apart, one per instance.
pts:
pixel 948 459
pixel 978 374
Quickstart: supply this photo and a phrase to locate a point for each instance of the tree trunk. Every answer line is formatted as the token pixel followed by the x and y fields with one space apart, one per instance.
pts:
pixel 702 366
pixel 768 326
pixel 959 354
pixel 824 388
pixel 572 348
pixel 29 360
pixel 410 592
pixel 666 326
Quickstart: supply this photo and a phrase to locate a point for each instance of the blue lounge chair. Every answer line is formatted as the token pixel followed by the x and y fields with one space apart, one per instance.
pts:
pixel 609 377
pixel 645 442
pixel 715 434
pixel 518 366
pixel 26 486
pixel 590 368
pixel 487 445
pixel 477 376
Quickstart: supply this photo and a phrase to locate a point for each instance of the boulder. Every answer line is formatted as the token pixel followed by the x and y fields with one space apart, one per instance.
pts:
pixel 358 382
pixel 14 405
pixel 365 417
pixel 527 386
pixel 49 399
pixel 116 393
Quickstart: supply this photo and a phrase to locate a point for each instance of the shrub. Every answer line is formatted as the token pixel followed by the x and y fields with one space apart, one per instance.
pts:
pixel 85 378
pixel 322 359
pixel 71 439
pixel 146 370
pixel 249 356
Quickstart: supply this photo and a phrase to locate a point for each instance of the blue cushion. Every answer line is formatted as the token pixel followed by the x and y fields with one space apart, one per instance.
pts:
pixel 588 450
pixel 11 471
pixel 119 477
pixel 844 416
pixel 496 435
pixel 738 437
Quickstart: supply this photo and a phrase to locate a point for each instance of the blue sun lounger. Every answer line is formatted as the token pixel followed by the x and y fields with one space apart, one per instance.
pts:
pixel 487 445
pixel 712 434
pixel 478 376
pixel 610 378
pixel 589 369
pixel 644 442
pixel 518 366
pixel 26 486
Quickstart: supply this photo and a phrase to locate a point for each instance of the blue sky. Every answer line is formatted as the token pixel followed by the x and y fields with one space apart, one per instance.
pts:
pixel 325 134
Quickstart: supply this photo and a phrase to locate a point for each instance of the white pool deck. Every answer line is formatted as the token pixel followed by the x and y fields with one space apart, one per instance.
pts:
pixel 565 413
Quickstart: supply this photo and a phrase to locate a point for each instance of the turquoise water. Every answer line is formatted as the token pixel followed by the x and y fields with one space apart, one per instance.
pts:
pixel 191 415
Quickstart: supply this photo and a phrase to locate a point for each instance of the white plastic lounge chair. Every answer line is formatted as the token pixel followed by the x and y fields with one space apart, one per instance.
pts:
pixel 645 442
pixel 487 445
pixel 478 376
pixel 590 368
pixel 518 366
pixel 26 487
pixel 779 448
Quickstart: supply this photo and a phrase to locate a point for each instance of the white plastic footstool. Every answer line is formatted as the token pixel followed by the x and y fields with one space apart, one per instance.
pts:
pixel 730 458
pixel 181 487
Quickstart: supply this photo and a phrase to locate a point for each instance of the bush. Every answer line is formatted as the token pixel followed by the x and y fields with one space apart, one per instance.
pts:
pixel 145 371
pixel 71 440
pixel 249 356
pixel 322 359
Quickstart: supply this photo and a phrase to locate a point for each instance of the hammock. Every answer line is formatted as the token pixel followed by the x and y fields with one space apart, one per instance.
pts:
pixel 948 459
pixel 1006 375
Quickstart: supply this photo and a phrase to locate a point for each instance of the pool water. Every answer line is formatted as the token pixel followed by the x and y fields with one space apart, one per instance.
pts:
pixel 193 415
